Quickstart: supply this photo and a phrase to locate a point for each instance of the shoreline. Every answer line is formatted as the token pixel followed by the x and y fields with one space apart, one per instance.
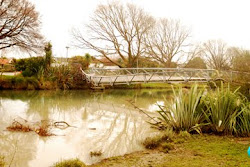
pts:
pixel 199 150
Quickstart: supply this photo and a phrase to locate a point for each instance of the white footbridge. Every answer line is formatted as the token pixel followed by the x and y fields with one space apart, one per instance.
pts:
pixel 99 77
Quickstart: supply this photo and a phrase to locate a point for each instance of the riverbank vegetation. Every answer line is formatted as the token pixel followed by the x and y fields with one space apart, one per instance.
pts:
pixel 69 163
pixel 221 111
pixel 38 73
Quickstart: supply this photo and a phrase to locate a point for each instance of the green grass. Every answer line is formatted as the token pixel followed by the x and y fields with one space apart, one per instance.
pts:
pixel 217 151
pixel 196 151
pixel 70 163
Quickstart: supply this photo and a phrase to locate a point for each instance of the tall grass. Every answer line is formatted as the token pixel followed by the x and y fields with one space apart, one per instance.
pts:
pixel 243 121
pixel 184 113
pixel 223 107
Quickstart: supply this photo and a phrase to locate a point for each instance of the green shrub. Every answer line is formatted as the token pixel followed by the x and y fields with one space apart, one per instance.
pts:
pixel 184 112
pixel 33 81
pixel 166 147
pixel 168 135
pixel 19 80
pixel 184 135
pixel 30 66
pixel 223 107
pixel 62 75
pixel 243 121
pixel 152 142
pixel 70 163
pixel 80 61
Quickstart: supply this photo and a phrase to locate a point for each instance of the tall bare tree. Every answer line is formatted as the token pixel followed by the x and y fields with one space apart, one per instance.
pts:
pixel 116 30
pixel 215 53
pixel 167 40
pixel 19 25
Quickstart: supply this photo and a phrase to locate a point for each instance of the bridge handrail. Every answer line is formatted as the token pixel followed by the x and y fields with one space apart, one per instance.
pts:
pixel 136 70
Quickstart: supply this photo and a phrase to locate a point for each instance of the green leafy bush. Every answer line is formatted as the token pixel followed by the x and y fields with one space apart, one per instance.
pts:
pixel 80 62
pixel 184 112
pixel 70 163
pixel 243 121
pixel 221 111
pixel 223 107
pixel 62 75
pixel 30 66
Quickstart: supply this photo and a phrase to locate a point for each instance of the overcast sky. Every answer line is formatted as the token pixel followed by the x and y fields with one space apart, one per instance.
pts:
pixel 208 19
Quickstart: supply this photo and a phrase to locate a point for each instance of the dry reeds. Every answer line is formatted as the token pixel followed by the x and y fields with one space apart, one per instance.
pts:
pixel 42 128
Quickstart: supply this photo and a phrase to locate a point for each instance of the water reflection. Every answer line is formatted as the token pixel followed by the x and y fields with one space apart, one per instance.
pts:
pixel 104 121
pixel 17 148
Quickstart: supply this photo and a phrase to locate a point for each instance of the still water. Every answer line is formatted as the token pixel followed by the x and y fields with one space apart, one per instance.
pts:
pixel 103 121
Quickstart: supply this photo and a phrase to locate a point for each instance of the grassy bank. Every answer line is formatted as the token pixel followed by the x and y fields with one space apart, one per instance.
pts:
pixel 205 150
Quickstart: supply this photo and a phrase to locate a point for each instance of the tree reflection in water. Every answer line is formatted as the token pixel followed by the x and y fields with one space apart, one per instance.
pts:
pixel 105 122
pixel 18 148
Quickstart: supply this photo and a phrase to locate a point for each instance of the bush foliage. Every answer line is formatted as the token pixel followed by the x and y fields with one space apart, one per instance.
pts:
pixel 221 111
pixel 70 163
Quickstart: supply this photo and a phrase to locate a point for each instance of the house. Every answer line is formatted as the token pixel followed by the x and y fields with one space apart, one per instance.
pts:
pixel 3 62
pixel 6 64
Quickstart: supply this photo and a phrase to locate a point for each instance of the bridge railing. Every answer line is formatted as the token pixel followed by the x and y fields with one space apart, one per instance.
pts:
pixel 125 71
pixel 98 76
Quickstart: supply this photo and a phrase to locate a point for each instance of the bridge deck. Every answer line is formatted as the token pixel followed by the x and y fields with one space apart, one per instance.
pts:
pixel 103 77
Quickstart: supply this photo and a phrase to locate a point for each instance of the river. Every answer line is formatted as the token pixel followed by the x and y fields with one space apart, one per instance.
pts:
pixel 103 121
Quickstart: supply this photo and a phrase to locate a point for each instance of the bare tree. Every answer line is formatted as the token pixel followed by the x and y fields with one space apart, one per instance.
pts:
pixel 215 53
pixel 116 30
pixel 166 41
pixel 19 25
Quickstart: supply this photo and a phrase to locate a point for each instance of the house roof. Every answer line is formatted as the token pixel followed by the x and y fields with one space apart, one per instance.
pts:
pixel 4 61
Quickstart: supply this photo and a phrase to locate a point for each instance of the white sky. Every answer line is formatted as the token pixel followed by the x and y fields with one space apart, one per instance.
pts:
pixel 209 19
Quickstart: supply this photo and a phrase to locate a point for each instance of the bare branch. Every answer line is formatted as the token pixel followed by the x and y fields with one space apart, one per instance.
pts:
pixel 167 41
pixel 19 26
pixel 118 28
pixel 215 54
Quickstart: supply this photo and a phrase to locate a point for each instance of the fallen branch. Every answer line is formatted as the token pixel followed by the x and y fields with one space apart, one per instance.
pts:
pixel 42 128
pixel 130 101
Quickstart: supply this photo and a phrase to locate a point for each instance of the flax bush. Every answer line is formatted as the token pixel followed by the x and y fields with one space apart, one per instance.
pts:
pixel 223 107
pixel 184 112
pixel 221 111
